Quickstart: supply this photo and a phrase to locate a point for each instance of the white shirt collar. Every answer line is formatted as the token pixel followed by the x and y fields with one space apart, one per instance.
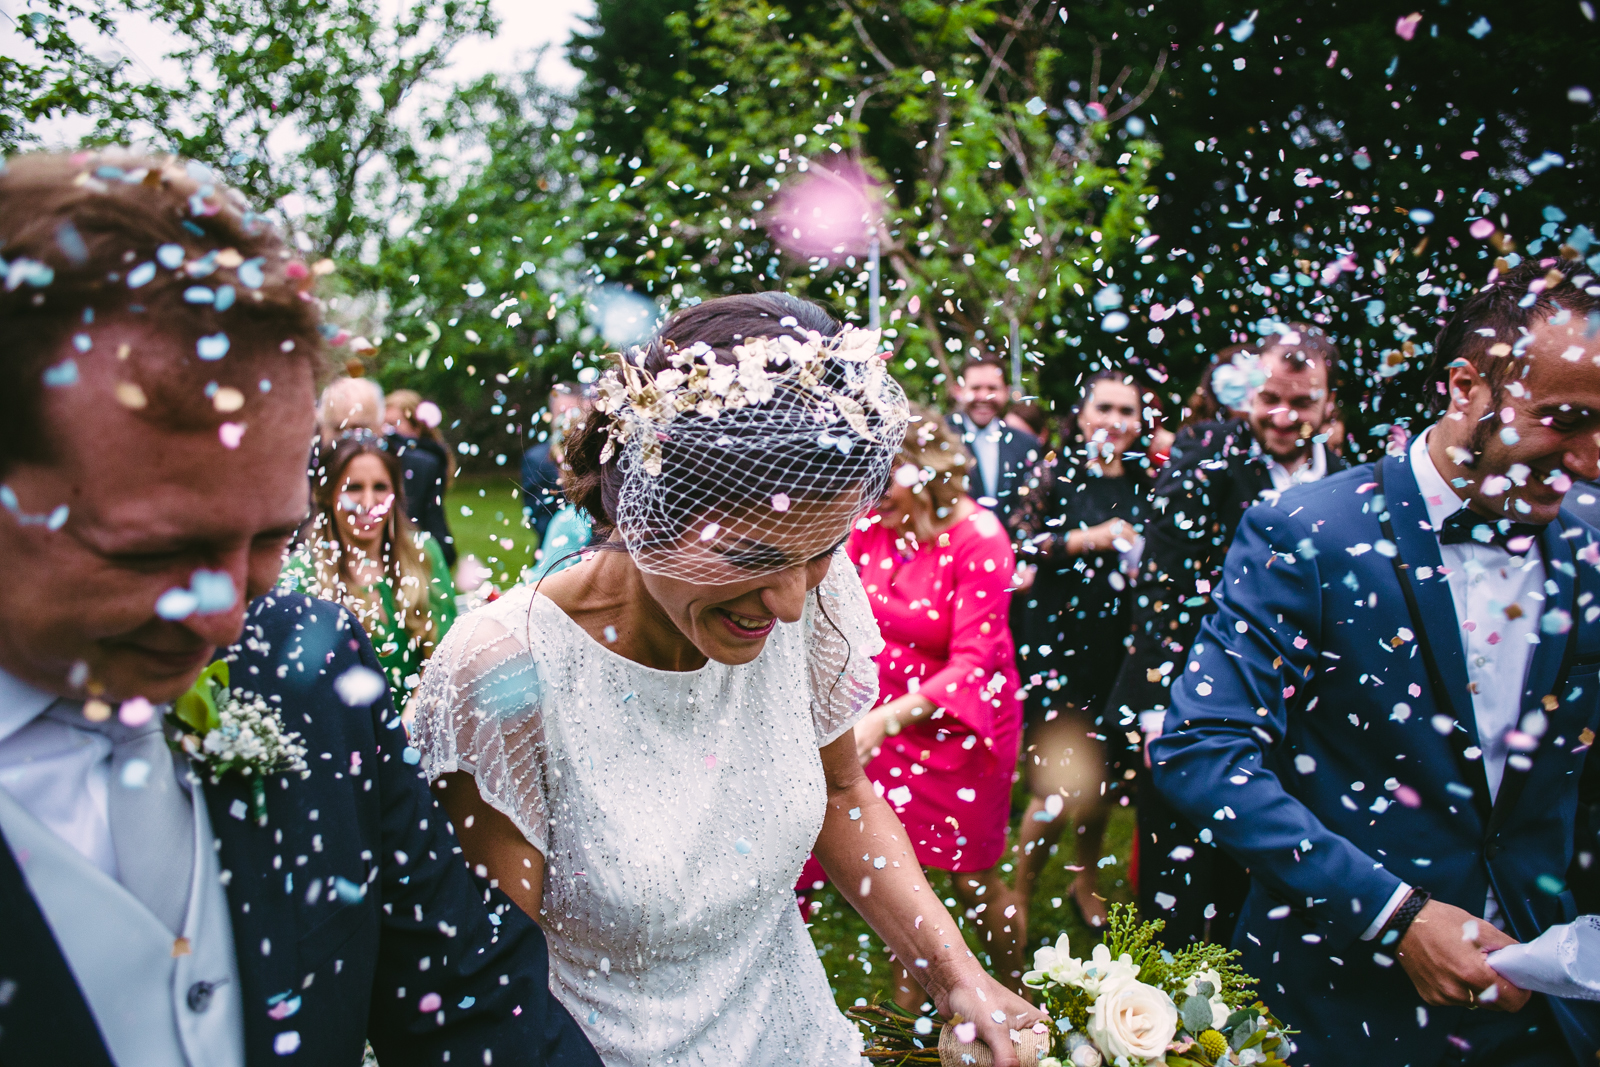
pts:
pixel 991 431
pixel 1313 470
pixel 1441 500
pixel 20 704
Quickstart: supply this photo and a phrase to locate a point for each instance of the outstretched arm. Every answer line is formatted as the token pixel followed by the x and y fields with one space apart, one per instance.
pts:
pixel 868 855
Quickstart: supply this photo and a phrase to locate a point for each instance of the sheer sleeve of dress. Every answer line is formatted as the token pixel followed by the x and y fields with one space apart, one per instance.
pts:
pixel 841 640
pixel 480 710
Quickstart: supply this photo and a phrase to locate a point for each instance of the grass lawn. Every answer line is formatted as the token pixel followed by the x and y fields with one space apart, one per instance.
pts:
pixel 485 513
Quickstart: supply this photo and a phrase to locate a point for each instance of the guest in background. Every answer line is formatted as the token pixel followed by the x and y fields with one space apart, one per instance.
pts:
pixel 1218 470
pixel 1079 524
pixel 349 404
pixel 1030 418
pixel 541 482
pixel 365 554
pixel 570 530
pixel 942 743
pixel 1003 455
pixel 413 422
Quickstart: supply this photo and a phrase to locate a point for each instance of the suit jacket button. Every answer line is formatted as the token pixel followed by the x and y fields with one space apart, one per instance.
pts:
pixel 199 996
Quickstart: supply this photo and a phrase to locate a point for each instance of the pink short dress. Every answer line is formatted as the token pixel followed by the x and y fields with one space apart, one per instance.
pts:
pixel 943 614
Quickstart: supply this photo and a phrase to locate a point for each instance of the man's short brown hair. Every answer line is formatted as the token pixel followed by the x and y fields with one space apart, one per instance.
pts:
pixel 91 237
pixel 1488 326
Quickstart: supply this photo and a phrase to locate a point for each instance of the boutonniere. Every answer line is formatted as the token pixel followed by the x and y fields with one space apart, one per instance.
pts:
pixel 227 730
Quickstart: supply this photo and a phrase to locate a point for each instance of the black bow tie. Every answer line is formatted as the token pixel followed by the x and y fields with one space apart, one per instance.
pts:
pixel 1465 527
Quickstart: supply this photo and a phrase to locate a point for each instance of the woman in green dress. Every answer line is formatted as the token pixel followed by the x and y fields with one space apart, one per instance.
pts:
pixel 364 553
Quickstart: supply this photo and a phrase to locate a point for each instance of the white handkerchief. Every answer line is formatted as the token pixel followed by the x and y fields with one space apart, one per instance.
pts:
pixel 1564 961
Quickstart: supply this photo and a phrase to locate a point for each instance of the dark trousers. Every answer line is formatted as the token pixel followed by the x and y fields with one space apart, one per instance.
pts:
pixel 1529 1038
pixel 1198 892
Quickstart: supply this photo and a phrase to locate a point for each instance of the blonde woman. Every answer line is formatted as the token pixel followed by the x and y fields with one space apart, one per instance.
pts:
pixel 365 554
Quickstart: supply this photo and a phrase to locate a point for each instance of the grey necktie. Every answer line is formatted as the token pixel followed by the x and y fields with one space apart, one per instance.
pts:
pixel 151 815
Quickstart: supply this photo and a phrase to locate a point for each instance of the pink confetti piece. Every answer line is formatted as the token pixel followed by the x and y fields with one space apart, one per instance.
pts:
pixel 135 711
pixel 711 761
pixel 230 434
pixel 1407 796
pixel 429 1002
pixel 1406 25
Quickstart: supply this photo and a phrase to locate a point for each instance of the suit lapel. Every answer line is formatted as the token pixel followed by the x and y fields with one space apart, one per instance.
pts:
pixel 43 1016
pixel 1433 615
pixel 1547 666
pixel 259 906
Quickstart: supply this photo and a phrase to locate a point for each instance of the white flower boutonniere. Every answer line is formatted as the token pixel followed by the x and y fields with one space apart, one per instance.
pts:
pixel 226 730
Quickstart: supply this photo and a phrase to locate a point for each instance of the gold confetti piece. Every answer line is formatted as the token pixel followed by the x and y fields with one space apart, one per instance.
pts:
pixel 229 258
pixel 1554 278
pixel 96 710
pixel 1277 661
pixel 1550 702
pixel 181 947
pixel 130 396
pixel 1501 349
pixel 1586 736
pixel 323 266
pixel 124 350
pixel 1152 675
pixel 1514 611
pixel 228 399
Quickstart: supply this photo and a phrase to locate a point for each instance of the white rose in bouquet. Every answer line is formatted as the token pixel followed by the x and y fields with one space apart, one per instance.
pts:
pixel 1134 1020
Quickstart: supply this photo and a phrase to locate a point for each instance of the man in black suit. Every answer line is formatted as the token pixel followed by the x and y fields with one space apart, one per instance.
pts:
pixel 1223 468
pixel 1002 456
pixel 180 903
pixel 541 478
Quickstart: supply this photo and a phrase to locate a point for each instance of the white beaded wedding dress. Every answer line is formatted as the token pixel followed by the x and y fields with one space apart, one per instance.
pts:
pixel 674 811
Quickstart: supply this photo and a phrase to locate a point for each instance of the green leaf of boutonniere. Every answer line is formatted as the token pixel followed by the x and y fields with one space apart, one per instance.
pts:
pixel 197 708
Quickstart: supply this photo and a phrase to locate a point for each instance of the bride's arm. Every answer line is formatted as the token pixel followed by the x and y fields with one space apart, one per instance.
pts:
pixel 899 904
pixel 491 844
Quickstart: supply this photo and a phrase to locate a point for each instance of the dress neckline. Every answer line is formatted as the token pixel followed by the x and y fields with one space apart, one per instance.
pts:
pixel 573 624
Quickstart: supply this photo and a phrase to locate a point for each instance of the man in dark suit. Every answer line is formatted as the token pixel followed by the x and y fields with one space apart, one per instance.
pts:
pixel 1387 717
pixel 1003 456
pixel 1224 468
pixel 195 902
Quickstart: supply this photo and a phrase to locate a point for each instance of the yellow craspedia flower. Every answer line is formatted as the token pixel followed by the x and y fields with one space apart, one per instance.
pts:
pixel 1214 1044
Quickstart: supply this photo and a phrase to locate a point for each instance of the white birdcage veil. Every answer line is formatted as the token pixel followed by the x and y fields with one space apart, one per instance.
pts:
pixel 751 459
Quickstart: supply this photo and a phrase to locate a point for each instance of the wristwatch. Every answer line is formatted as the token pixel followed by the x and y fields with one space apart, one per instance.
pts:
pixel 1401 920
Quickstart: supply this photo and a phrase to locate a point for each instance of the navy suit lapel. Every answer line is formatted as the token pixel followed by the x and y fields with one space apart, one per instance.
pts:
pixel 262 912
pixel 1433 615
pixel 1546 667
pixel 43 1016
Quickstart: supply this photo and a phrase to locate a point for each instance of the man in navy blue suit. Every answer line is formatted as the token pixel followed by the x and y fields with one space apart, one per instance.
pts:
pixel 1387 718
pixel 158 907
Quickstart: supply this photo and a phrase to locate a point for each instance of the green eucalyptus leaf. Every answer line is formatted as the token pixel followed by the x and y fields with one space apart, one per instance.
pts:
pixel 1196 1014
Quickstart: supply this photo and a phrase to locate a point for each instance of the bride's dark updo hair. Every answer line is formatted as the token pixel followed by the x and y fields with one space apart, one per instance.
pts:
pixel 720 323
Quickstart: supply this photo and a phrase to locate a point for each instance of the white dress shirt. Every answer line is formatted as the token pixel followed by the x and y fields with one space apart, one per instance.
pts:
pixel 60 775
pixel 986 449
pixel 1499 599
pixel 1315 468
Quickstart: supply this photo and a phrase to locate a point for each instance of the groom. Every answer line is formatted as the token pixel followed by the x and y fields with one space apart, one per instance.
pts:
pixel 156 388
pixel 1387 718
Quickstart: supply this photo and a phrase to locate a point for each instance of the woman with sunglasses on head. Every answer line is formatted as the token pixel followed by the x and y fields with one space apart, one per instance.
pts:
pixel 363 552
pixel 1079 526
pixel 643 749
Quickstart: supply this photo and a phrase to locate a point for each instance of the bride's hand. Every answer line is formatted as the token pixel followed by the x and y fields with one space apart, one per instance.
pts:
pixel 978 1000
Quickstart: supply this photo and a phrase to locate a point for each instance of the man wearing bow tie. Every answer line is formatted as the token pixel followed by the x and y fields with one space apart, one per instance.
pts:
pixel 1387 718
pixel 156 908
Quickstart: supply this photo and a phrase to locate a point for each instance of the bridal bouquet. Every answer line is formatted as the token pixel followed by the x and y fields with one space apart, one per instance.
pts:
pixel 1132 1003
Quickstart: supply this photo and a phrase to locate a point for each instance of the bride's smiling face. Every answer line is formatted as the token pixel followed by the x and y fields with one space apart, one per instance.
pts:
pixel 752 576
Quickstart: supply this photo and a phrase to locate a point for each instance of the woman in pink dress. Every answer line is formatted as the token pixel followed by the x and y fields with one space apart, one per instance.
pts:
pixel 942 744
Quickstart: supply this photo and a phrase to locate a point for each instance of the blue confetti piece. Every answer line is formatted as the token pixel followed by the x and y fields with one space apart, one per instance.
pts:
pixel 411 756
pixel 143 274
pixel 176 604
pixel 1242 31
pixel 192 228
pixel 742 847
pixel 1115 322
pixel 1510 436
pixel 213 347
pixel 225 297
pixel 1421 216
pixel 199 294
pixel 62 374
pixel 348 891
pixel 170 256
pixel 250 274
pixel 594 1016
pixel 855 813
pixel 70 241
pixel 1480 29
pixel 214 591
pixel 57 518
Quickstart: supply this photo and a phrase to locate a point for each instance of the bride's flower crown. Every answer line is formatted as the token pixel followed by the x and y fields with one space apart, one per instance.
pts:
pixel 641 406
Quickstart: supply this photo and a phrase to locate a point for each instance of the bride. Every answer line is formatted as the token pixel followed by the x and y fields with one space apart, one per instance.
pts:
pixel 642 751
